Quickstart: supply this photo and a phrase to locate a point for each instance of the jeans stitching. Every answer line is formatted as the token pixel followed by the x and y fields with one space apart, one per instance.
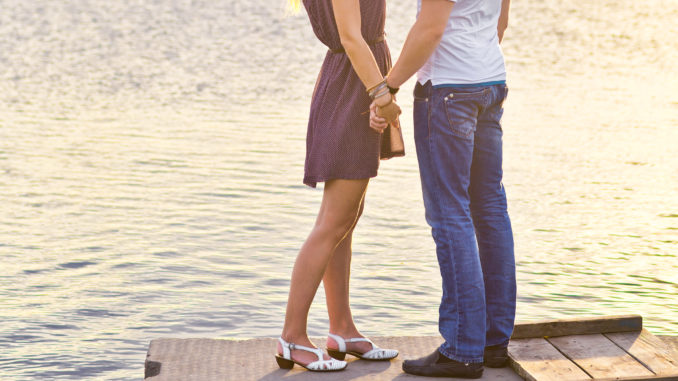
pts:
pixel 432 100
pixel 435 198
pixel 463 134
pixel 439 210
pixel 482 96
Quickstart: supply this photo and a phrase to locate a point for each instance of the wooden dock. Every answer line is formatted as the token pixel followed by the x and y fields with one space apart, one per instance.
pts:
pixel 607 348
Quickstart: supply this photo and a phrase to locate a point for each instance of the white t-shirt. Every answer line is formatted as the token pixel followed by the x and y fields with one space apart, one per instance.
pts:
pixel 469 52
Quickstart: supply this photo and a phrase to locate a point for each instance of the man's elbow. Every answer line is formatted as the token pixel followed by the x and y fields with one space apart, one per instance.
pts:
pixel 437 34
pixel 430 30
pixel 434 33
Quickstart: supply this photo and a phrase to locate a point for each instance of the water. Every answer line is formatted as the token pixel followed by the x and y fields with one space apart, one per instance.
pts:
pixel 151 157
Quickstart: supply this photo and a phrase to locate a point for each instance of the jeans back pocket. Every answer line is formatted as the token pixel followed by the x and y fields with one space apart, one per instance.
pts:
pixel 461 109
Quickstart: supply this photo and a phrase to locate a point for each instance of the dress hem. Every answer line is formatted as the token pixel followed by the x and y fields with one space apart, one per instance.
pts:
pixel 312 181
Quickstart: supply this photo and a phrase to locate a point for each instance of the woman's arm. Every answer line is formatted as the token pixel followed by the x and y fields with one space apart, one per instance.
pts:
pixel 503 19
pixel 347 16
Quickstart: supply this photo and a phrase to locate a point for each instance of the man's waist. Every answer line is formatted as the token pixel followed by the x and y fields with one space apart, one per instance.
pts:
pixel 465 85
pixel 468 78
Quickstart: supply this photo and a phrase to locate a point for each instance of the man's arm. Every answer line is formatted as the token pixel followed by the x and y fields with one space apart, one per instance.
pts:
pixel 503 19
pixel 422 40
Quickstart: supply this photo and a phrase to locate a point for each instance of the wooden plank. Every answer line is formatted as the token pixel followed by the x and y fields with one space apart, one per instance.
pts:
pixel 671 341
pixel 648 349
pixel 252 360
pixel 578 326
pixel 598 356
pixel 641 378
pixel 538 360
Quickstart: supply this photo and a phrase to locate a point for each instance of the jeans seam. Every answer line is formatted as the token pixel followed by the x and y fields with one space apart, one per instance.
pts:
pixel 428 116
pixel 436 202
pixel 452 347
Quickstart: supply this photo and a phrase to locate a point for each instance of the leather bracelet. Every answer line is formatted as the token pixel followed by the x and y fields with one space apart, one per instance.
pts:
pixel 393 90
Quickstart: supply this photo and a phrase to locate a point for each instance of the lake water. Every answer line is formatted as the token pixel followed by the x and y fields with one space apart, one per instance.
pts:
pixel 151 158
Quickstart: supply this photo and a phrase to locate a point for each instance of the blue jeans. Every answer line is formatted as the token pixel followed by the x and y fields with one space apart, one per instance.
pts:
pixel 458 137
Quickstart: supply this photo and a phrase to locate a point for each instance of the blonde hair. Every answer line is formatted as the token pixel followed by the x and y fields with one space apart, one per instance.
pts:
pixel 294 5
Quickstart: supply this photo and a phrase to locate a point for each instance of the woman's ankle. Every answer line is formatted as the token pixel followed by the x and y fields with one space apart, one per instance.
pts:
pixel 346 331
pixel 342 321
pixel 296 338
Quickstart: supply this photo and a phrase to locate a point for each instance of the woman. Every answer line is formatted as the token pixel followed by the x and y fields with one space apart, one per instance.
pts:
pixel 343 152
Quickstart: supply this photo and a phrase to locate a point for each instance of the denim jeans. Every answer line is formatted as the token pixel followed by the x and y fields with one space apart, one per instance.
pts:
pixel 458 137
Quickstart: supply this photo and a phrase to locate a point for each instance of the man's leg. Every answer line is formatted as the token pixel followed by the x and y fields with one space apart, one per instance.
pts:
pixel 492 223
pixel 445 122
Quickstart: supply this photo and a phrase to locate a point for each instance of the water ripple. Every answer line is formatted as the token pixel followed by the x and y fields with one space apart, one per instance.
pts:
pixel 151 159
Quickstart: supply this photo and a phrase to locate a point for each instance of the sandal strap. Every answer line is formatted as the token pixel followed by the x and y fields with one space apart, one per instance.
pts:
pixel 331 364
pixel 380 354
pixel 341 342
pixel 359 339
pixel 289 347
pixel 286 348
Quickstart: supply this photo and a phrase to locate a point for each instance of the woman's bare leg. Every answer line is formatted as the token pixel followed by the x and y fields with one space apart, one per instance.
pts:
pixel 338 214
pixel 336 282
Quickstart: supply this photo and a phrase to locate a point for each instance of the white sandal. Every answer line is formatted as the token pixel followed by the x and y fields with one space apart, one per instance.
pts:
pixel 285 360
pixel 374 354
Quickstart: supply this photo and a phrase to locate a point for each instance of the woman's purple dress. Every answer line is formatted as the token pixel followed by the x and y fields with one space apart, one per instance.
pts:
pixel 339 143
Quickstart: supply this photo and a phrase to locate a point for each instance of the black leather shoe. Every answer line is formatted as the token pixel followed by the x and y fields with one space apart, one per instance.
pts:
pixel 437 365
pixel 496 356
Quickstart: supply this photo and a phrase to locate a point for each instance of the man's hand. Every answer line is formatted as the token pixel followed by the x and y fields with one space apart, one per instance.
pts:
pixel 377 123
pixel 390 111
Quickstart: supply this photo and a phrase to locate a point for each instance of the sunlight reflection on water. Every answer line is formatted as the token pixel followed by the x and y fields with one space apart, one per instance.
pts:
pixel 151 159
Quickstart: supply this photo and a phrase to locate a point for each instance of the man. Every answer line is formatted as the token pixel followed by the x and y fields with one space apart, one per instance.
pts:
pixel 454 46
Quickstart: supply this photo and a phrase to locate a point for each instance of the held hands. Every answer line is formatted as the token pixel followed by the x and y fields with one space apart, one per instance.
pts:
pixel 383 111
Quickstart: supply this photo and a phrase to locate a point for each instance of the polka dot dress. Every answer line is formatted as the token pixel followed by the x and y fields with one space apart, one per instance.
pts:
pixel 339 142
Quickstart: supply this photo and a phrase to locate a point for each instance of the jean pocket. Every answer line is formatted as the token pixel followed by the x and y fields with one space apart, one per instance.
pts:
pixel 467 92
pixel 461 109
pixel 495 111
pixel 505 91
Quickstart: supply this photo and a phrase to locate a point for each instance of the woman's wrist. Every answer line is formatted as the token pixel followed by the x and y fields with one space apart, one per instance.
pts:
pixel 383 100
pixel 378 90
pixel 381 93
